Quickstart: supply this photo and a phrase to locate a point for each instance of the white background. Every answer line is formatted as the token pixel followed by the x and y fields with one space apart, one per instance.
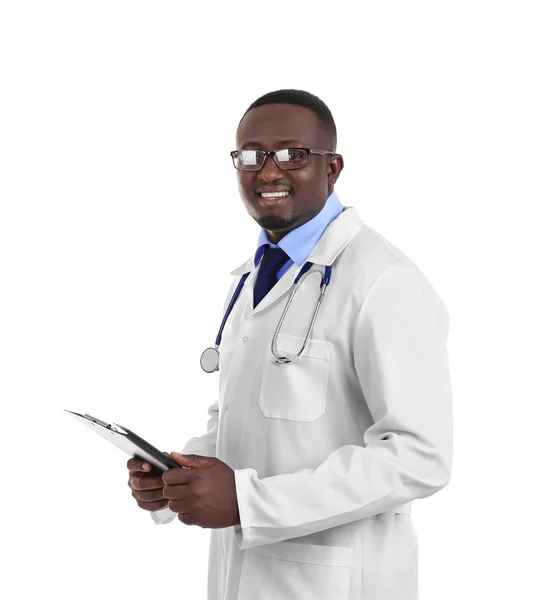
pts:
pixel 120 222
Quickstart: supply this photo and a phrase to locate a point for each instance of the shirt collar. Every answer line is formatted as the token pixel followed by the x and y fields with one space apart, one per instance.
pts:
pixel 299 243
pixel 334 240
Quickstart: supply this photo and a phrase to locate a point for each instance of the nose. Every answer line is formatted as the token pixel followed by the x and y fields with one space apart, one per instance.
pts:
pixel 270 171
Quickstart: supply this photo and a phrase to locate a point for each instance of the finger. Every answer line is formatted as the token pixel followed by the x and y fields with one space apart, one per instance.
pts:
pixel 175 492
pixel 143 482
pixel 179 476
pixel 185 518
pixel 152 506
pixel 138 464
pixel 178 506
pixel 149 495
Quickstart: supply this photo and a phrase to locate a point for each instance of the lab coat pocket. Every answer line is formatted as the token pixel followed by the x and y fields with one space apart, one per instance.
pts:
pixel 288 570
pixel 297 390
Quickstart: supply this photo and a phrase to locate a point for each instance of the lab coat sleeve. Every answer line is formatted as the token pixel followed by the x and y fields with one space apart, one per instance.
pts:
pixel 204 445
pixel 401 362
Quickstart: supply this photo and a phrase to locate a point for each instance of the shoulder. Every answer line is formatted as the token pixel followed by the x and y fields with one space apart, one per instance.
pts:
pixel 370 253
pixel 379 269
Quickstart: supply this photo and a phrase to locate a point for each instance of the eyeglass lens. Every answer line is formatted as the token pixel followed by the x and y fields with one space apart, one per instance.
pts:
pixel 288 158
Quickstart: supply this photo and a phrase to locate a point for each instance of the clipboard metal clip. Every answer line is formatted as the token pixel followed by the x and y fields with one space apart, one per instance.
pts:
pixel 110 426
pixel 95 420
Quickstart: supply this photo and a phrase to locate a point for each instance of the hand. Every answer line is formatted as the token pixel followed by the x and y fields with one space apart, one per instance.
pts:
pixel 203 494
pixel 146 487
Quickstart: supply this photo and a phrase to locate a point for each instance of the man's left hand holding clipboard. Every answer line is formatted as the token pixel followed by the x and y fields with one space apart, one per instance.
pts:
pixel 203 493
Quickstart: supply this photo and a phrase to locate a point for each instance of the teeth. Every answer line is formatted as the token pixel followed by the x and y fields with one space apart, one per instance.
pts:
pixel 274 194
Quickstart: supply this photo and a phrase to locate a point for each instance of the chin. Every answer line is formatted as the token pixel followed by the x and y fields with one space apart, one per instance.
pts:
pixel 277 223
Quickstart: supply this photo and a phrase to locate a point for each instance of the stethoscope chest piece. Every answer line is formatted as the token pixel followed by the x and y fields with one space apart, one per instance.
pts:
pixel 210 360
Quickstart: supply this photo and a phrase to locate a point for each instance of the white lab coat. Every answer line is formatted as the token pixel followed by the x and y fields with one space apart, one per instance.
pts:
pixel 329 451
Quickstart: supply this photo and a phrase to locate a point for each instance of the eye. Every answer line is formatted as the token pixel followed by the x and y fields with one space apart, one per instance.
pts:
pixel 296 154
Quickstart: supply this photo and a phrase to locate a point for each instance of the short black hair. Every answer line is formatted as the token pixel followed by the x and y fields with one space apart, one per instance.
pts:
pixel 300 98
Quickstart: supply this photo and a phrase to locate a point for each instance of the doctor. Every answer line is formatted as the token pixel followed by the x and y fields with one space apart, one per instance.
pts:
pixel 308 469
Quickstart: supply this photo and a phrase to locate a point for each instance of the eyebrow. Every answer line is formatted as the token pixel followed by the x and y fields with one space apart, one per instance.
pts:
pixel 280 143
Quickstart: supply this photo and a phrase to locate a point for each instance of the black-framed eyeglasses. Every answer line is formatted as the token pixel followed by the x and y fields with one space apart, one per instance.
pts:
pixel 286 158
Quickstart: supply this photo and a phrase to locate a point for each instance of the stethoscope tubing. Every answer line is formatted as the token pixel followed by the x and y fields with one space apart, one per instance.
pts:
pixel 231 306
pixel 299 278
pixel 323 285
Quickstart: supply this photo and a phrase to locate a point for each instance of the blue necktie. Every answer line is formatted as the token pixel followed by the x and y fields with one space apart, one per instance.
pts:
pixel 272 260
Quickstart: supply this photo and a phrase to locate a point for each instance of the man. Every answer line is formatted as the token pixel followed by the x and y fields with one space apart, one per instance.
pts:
pixel 308 468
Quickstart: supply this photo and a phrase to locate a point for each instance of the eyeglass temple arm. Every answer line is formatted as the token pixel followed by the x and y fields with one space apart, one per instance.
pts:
pixel 321 152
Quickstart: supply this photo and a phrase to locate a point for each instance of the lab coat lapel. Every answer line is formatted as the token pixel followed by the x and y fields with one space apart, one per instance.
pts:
pixel 281 286
pixel 333 241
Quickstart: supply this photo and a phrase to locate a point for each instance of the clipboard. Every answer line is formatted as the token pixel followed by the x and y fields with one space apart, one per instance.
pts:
pixel 128 441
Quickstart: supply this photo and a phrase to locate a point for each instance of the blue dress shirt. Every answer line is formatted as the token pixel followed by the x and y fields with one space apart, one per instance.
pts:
pixel 299 242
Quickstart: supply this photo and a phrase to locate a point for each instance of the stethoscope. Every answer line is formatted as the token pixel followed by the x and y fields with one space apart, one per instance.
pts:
pixel 210 358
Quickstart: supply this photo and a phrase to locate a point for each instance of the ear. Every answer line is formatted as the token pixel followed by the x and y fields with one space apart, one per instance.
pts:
pixel 335 166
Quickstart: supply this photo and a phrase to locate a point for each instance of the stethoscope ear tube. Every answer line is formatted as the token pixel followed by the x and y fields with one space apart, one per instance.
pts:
pixel 324 283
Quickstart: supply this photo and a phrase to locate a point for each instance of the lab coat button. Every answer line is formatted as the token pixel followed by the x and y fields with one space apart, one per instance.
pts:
pixel 245 339
pixel 226 407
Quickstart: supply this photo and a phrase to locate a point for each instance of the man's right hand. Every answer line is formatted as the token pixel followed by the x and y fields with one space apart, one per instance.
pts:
pixel 146 487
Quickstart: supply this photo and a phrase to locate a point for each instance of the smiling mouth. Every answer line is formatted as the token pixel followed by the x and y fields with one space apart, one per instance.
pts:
pixel 274 194
pixel 273 198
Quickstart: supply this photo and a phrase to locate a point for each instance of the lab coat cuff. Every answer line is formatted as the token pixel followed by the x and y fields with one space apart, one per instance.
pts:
pixel 244 483
pixel 161 517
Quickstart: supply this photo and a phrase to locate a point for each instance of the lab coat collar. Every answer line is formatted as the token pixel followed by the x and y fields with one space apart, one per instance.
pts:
pixel 333 241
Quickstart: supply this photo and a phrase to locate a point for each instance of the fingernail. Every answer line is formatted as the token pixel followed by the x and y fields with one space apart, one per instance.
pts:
pixel 145 466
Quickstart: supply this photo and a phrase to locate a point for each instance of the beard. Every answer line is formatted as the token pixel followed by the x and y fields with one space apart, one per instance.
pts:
pixel 281 223
pixel 277 222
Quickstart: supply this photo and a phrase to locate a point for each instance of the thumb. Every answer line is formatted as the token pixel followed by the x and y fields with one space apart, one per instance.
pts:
pixel 193 461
